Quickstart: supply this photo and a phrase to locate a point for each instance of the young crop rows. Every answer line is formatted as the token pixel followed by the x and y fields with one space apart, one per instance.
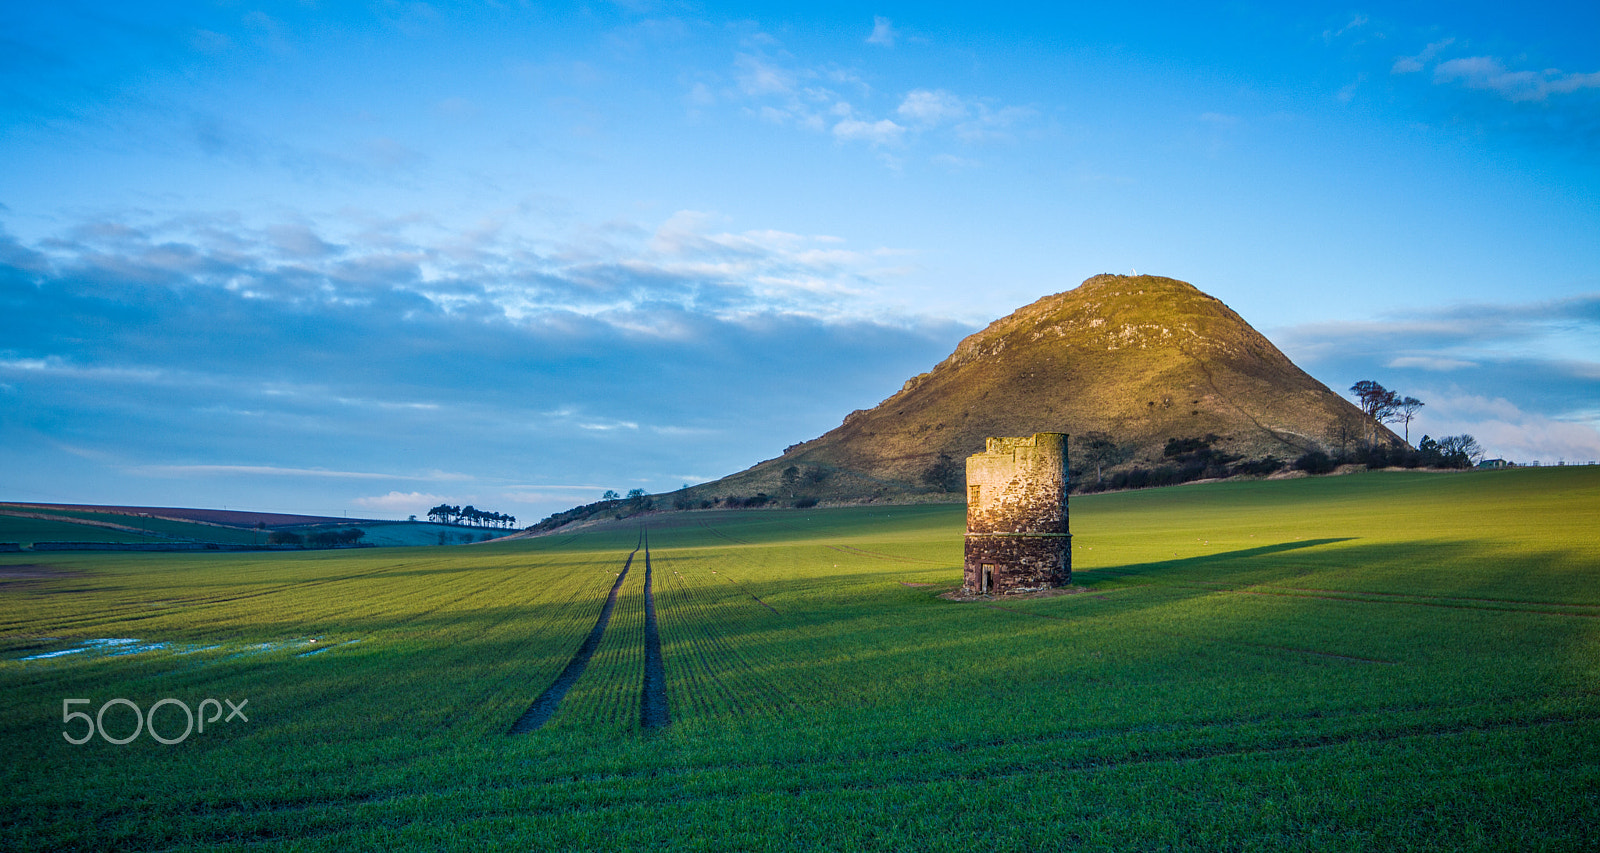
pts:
pixel 1371 662
pixel 664 643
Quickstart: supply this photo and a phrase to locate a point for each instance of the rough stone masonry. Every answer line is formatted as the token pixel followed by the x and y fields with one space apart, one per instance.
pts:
pixel 1017 536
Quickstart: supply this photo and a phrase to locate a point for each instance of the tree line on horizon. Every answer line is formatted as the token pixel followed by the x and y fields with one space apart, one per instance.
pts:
pixel 469 516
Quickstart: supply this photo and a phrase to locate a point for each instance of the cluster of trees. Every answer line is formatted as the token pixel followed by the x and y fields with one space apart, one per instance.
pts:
pixel 1101 451
pixel 1184 460
pixel 759 499
pixel 947 474
pixel 1451 451
pixel 469 516
pixel 635 502
pixel 1385 407
pixel 1188 459
pixel 610 503
pixel 317 538
pixel 794 478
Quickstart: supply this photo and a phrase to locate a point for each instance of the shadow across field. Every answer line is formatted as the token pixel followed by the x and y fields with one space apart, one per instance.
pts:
pixel 1416 574
pixel 1187 563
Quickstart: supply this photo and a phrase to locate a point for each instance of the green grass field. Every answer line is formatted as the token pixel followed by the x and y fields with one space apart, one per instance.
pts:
pixel 1380 661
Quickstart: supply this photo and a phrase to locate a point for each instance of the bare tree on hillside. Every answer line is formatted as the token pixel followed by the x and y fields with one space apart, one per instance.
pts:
pixel 789 477
pixel 1098 449
pixel 1406 412
pixel 1343 433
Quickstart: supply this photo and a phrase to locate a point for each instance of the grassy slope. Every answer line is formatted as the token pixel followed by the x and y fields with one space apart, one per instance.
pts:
pixel 1377 661
pixel 27 531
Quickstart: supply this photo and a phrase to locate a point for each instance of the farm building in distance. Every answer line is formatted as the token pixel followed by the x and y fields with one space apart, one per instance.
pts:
pixel 1017 535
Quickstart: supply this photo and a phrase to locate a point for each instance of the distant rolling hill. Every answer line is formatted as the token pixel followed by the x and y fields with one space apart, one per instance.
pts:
pixel 30 524
pixel 219 517
pixel 1134 366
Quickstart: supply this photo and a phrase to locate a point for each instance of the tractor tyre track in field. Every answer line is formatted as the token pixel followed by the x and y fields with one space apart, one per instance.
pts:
pixel 503 684
pixel 715 532
pixel 653 707
pixel 754 596
pixel 545 707
pixel 862 552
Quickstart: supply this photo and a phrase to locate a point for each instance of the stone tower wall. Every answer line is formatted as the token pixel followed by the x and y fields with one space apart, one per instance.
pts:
pixel 1017 516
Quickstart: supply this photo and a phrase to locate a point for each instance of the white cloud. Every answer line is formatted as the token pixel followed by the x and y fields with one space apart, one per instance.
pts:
pixel 954 163
pixel 883 32
pixel 1506 431
pixel 1413 64
pixel 679 430
pixel 931 107
pixel 1520 377
pixel 757 77
pixel 412 503
pixel 700 95
pixel 880 132
pixel 481 345
pixel 1355 23
pixel 493 275
pixel 992 125
pixel 606 426
pixel 1348 92
pixel 1422 362
pixel 1490 73
pixel 776 89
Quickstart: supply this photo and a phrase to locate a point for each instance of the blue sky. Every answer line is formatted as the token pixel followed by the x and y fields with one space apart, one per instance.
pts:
pixel 364 258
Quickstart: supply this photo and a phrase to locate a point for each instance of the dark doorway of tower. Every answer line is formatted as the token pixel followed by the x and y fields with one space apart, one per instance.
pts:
pixel 986 581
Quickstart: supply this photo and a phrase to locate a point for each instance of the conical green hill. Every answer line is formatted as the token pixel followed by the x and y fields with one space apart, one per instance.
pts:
pixel 1136 360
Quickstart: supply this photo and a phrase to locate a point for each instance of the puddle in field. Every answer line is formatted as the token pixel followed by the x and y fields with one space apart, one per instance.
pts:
pixel 110 647
pixel 326 647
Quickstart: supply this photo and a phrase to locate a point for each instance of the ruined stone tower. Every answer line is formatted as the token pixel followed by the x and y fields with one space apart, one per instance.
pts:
pixel 1017 537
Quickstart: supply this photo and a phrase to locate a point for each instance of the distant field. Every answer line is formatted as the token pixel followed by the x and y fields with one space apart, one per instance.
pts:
pixel 29 523
pixel 27 531
pixel 1372 662
pixel 227 517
